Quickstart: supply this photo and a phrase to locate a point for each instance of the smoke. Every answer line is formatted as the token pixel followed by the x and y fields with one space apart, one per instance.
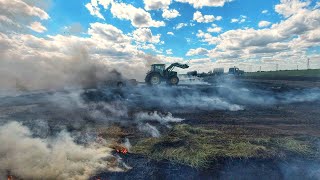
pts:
pixel 54 72
pixel 127 144
pixel 187 80
pixel 28 157
pixel 243 94
pixel 163 119
pixel 182 98
pixel 149 129
pixel 155 116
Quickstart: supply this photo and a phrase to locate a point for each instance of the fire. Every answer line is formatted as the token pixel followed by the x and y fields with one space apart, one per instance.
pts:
pixel 10 177
pixel 122 150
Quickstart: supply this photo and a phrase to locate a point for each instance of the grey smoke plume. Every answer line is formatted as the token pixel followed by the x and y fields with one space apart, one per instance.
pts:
pixel 53 158
pixel 149 129
pixel 33 73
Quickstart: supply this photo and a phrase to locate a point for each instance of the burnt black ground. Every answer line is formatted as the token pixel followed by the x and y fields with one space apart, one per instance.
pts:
pixel 258 118
pixel 246 169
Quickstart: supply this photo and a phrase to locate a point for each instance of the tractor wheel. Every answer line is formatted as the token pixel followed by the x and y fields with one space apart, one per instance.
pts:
pixel 120 84
pixel 153 79
pixel 173 81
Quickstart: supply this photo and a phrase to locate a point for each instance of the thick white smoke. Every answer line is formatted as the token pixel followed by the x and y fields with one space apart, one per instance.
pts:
pixel 54 158
pixel 155 116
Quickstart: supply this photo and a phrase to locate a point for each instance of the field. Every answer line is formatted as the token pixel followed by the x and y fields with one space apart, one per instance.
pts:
pixel 311 74
pixel 242 128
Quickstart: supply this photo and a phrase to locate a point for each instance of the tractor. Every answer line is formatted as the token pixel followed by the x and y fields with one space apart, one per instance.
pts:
pixel 236 71
pixel 159 73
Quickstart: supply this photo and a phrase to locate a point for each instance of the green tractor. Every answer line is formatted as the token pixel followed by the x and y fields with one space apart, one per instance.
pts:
pixel 159 73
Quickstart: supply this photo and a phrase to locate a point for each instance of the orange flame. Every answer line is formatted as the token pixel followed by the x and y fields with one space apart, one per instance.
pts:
pixel 122 150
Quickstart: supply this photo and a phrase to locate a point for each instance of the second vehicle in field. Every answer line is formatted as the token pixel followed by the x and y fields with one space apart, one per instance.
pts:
pixel 160 73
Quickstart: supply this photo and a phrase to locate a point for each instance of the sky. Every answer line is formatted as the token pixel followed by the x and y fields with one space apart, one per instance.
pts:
pixel 131 35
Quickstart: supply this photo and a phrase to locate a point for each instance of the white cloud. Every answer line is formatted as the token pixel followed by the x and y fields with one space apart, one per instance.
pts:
pixel 37 27
pixel 206 37
pixel 264 11
pixel 156 4
pixel 290 7
pixel 19 8
pixel 170 13
pixel 198 51
pixel 180 25
pixel 286 41
pixel 214 29
pixel 107 32
pixel 17 15
pixel 137 16
pixel 264 23
pixel 197 16
pixel 94 9
pixel 202 3
pixel 170 33
pixel 234 20
pixel 145 35
pixel 240 20
pixel 169 51
pixel 104 3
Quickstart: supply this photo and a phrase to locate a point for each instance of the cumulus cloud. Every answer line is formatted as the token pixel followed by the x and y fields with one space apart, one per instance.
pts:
pixel 37 27
pixel 198 51
pixel 264 11
pixel 138 16
pixel 156 4
pixel 19 15
pixel 240 20
pixel 290 7
pixel 202 3
pixel 214 29
pixel 197 16
pixel 264 23
pixel 145 35
pixel 170 13
pixel 206 37
pixel 285 41
pixel 169 51
pixel 94 9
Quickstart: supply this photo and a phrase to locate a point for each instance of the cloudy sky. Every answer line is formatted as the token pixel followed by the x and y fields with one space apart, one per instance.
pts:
pixel 130 35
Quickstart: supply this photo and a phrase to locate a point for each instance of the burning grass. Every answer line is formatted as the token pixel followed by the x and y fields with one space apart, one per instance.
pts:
pixel 200 146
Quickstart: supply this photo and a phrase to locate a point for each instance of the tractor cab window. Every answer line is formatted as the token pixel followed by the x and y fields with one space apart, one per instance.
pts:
pixel 157 68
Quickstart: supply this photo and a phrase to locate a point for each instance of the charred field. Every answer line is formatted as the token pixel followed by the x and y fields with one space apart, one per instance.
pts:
pixel 230 128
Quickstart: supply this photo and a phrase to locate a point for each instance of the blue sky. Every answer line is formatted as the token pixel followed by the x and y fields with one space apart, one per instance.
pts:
pixel 64 13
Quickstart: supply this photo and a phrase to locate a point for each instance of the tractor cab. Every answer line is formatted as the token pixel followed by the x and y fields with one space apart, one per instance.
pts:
pixel 158 68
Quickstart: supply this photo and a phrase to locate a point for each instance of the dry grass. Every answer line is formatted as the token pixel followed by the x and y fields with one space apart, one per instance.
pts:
pixel 199 146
